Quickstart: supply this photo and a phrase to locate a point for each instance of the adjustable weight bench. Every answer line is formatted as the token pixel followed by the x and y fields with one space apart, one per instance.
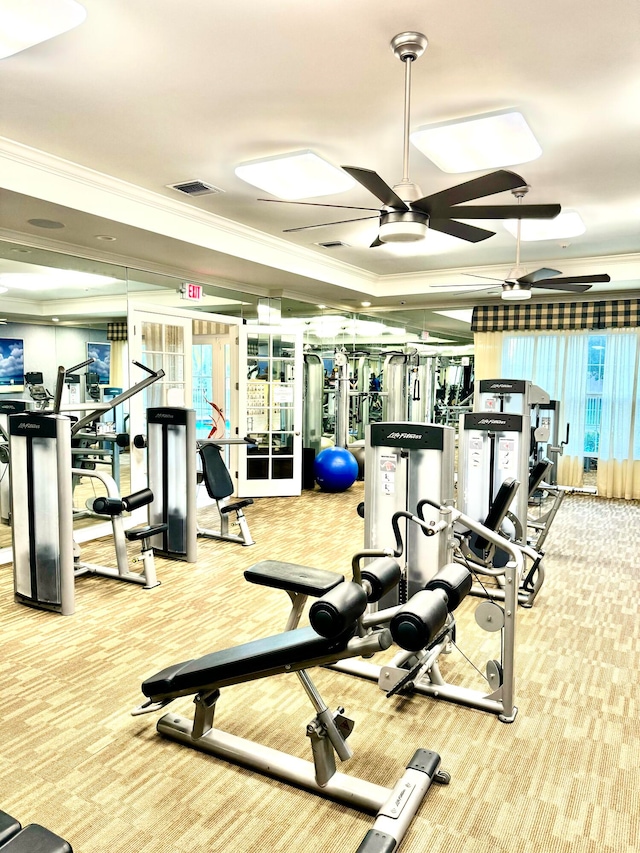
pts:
pixel 30 839
pixel 336 632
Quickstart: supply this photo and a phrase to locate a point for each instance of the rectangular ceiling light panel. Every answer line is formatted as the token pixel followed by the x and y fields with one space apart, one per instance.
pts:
pixel 299 174
pixel 24 23
pixel 566 224
pixel 487 141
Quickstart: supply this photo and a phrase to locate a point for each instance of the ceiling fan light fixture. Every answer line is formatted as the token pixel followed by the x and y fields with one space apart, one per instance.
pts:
pixel 488 141
pixel 402 226
pixel 298 174
pixel 515 292
pixel 402 232
pixel 24 25
pixel 566 224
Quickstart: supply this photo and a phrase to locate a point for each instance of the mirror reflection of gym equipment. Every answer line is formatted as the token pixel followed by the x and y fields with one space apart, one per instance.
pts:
pixel 46 559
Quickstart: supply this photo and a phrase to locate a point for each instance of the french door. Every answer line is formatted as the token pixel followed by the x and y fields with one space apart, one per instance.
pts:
pixel 270 411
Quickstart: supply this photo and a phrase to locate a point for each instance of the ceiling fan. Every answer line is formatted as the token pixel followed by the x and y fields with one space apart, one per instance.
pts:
pixel 406 213
pixel 518 283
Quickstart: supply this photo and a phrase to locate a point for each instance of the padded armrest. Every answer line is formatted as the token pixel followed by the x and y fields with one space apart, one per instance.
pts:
pixel 289 576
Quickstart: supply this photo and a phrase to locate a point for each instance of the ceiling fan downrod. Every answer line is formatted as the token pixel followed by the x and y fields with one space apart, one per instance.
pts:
pixel 518 271
pixel 407 47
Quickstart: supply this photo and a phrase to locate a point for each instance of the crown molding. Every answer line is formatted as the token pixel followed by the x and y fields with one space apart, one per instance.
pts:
pixel 36 173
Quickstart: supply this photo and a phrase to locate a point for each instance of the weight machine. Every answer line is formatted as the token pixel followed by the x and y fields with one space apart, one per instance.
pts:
pixel 45 559
pixel 408 512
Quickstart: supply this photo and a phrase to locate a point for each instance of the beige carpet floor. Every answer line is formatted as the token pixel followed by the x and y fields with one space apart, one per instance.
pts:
pixel 563 778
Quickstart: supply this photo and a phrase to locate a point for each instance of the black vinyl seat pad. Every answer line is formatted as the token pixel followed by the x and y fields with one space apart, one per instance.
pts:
pixel 299 649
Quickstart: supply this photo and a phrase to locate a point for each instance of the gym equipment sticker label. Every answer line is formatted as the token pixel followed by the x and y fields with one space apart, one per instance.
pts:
pixel 388 467
pixel 507 454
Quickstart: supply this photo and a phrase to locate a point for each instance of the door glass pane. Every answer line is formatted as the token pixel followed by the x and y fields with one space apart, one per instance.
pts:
pixel 282 469
pixel 257 469
pixel 174 368
pixel 174 339
pixel 282 418
pixel 261 446
pixel 282 443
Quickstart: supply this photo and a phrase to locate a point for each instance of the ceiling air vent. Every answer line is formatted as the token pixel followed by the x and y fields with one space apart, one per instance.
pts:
pixel 333 244
pixel 195 188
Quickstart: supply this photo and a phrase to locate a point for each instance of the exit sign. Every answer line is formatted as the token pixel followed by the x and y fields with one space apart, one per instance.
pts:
pixel 191 291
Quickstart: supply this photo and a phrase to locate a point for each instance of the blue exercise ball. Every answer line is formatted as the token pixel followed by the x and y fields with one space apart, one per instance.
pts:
pixel 335 469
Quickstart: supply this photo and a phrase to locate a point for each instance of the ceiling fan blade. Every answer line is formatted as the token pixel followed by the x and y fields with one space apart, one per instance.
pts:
pixel 376 186
pixel 499 211
pixel 458 229
pixel 538 275
pixel 316 204
pixel 486 277
pixel 556 284
pixel 582 279
pixel 496 182
pixel 322 224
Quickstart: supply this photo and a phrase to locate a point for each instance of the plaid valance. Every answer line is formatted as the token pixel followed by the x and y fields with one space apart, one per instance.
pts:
pixel 117 331
pixel 612 314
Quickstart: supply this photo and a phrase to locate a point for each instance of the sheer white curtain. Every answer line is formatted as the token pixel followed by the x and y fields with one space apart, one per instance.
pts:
pixel 619 453
pixel 487 354
pixel 558 364
pixel 571 364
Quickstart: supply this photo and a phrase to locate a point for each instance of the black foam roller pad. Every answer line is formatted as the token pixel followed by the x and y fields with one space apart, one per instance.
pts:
pixel 420 620
pixel 336 611
pixel 456 580
pixel 108 506
pixel 383 574
pixel 137 499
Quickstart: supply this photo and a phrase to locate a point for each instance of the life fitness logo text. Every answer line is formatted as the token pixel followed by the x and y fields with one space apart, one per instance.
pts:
pixel 26 425
pixel 404 435
pixel 492 422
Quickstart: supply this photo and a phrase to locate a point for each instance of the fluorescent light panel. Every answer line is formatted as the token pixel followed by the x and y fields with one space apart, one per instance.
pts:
pixel 299 174
pixel 479 142
pixel 465 315
pixel 24 23
pixel 566 224
pixel 38 282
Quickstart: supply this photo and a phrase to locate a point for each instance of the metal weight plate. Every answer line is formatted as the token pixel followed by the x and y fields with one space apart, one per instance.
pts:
pixel 490 616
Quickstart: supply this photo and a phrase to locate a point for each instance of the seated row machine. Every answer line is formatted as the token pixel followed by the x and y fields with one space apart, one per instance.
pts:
pixel 219 486
pixel 337 631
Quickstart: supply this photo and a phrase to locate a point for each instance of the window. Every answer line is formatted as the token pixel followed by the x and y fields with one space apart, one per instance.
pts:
pixel 596 351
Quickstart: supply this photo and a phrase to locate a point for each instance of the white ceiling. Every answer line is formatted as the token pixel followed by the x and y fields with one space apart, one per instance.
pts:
pixel 97 122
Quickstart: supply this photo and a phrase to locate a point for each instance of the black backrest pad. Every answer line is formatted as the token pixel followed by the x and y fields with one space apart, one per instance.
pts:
pixel 216 474
pixel 538 473
pixel 36 839
pixel 499 508
pixel 243 663
pixel 8 826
